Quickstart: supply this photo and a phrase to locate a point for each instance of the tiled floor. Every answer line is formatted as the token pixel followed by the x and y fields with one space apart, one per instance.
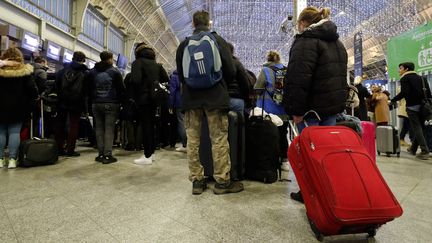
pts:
pixel 79 200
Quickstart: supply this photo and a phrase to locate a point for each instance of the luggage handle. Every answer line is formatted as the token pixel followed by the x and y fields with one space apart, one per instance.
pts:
pixel 293 126
pixel 41 123
pixel 263 99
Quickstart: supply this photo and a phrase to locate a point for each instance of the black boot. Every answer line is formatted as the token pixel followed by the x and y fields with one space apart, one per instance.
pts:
pixel 297 196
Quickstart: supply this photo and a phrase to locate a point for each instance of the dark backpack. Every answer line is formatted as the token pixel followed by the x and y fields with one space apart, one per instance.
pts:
pixel 72 83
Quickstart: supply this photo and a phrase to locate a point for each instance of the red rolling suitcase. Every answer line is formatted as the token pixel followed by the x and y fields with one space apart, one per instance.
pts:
pixel 343 190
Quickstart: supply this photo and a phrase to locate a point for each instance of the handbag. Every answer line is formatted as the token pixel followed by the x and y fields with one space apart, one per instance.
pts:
pixel 426 105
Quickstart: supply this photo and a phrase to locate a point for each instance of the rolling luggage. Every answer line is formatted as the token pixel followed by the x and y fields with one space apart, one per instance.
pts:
pixel 342 188
pixel 387 138
pixel 38 151
pixel 236 139
pixel 262 149
pixel 368 136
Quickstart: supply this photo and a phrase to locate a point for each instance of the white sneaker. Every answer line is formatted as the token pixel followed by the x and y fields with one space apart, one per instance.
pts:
pixel 285 166
pixel 181 149
pixel 2 163
pixel 143 160
pixel 12 164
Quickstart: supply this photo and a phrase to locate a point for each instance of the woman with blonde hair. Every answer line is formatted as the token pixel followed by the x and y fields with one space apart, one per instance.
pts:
pixel 270 82
pixel 317 71
pixel 17 91
pixel 382 110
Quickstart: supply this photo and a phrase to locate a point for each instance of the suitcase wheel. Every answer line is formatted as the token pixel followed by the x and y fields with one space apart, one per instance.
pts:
pixel 388 154
pixel 379 153
pixel 372 232
pixel 398 155
pixel 318 235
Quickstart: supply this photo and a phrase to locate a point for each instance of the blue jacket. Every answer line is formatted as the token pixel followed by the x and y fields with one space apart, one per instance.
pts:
pixel 174 88
pixel 265 81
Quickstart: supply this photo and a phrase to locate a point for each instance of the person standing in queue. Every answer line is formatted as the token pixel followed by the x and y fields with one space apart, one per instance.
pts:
pixel 316 75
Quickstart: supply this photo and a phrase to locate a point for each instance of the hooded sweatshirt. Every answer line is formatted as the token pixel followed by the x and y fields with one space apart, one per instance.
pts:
pixel 79 100
pixel 106 84
pixel 18 92
pixel 40 74
pixel 317 69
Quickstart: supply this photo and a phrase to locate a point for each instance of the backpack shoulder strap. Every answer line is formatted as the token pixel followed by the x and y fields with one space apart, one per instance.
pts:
pixel 267 73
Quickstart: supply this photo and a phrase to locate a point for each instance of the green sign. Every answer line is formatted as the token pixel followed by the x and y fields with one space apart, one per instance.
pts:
pixel 412 46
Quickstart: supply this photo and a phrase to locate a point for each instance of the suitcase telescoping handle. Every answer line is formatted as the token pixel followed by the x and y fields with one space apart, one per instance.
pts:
pixel 293 126
pixel 42 119
pixel 41 123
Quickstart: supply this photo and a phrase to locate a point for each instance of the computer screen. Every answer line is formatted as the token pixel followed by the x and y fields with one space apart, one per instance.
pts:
pixel 122 61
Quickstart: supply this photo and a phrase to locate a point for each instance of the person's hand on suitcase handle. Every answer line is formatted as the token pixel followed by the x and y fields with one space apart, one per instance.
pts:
pixel 297 119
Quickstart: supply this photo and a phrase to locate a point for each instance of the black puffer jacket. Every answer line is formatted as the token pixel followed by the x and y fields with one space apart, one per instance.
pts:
pixel 317 69
pixel 239 86
pixel 144 72
pixel 106 84
pixel 18 93
pixel 412 89
pixel 217 96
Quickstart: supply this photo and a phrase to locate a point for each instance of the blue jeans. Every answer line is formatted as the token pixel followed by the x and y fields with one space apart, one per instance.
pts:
pixel 13 130
pixel 237 105
pixel 325 121
pixel 180 127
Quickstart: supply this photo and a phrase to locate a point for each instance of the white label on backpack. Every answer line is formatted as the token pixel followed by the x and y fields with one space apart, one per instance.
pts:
pixel 199 56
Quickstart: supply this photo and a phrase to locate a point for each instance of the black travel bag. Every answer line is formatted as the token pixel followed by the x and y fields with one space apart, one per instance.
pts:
pixel 262 148
pixel 38 151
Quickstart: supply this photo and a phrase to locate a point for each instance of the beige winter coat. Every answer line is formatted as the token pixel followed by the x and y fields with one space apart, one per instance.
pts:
pixel 382 111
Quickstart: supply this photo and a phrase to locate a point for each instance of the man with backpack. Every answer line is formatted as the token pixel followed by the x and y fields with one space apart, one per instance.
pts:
pixel 71 87
pixel 106 91
pixel 205 67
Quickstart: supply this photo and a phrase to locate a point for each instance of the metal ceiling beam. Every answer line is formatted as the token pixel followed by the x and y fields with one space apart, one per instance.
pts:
pixel 139 30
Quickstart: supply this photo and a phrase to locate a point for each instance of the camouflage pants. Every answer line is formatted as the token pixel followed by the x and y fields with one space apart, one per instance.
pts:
pixel 218 129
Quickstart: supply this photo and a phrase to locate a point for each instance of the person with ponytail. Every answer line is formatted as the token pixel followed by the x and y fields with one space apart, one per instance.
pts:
pixel 316 75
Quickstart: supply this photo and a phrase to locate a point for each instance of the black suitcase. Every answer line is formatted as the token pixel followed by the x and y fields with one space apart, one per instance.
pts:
pixel 236 140
pixel 262 149
pixel 37 151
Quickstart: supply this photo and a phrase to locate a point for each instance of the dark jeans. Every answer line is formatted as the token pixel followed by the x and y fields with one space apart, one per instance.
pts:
pixel 417 127
pixel 74 118
pixel 147 118
pixel 406 129
pixel 105 115
pixel 325 121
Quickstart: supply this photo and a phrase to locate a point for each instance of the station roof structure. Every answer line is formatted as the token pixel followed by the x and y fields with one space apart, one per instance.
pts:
pixel 254 26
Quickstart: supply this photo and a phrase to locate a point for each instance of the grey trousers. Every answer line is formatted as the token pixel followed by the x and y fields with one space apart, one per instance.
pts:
pixel 105 115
